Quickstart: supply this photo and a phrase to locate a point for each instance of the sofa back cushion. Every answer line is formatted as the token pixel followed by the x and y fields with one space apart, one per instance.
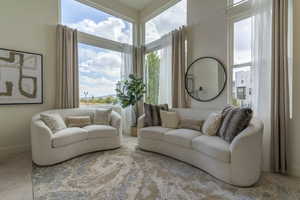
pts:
pixel 235 120
pixel 192 124
pixel 194 113
pixel 152 114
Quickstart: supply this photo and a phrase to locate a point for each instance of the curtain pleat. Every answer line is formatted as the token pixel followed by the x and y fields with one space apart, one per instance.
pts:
pixel 180 99
pixel 67 68
pixel 280 87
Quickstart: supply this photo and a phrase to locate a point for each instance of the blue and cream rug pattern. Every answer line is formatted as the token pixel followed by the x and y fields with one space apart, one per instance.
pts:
pixel 129 173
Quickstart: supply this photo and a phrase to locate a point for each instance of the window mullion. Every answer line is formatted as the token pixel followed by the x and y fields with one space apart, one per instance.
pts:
pixel 100 42
pixel 242 65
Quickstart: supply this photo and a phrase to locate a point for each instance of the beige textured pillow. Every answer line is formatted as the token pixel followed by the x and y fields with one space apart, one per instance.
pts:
pixel 212 124
pixel 54 122
pixel 191 124
pixel 102 116
pixel 78 121
pixel 169 119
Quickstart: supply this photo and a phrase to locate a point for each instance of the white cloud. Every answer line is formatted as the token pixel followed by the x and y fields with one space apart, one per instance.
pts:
pixel 167 21
pixel 96 86
pixel 112 28
pixel 106 63
pixel 99 70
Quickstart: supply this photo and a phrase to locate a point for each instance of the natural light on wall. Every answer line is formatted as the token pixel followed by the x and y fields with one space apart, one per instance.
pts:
pixel 167 21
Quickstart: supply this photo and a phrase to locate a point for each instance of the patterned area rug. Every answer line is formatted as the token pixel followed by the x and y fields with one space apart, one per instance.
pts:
pixel 129 173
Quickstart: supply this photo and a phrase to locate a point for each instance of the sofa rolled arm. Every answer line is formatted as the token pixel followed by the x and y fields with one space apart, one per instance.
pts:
pixel 246 155
pixel 41 140
pixel 115 120
pixel 40 129
pixel 140 123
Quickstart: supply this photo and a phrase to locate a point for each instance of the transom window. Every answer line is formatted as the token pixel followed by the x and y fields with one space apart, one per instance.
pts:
pixel 95 22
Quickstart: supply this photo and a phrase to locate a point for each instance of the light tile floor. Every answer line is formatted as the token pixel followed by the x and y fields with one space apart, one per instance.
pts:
pixel 15 177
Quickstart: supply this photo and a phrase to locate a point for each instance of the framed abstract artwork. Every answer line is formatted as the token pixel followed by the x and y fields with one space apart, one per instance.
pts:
pixel 21 77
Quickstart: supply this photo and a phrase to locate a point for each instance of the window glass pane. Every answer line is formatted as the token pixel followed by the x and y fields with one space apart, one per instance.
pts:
pixel 166 22
pixel 95 22
pixel 242 41
pixel 241 86
pixel 152 71
pixel 99 71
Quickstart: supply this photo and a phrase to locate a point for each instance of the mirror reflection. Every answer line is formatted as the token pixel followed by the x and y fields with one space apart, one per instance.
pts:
pixel 205 79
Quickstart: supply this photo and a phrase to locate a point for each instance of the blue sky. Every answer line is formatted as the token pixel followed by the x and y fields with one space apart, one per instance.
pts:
pixel 100 68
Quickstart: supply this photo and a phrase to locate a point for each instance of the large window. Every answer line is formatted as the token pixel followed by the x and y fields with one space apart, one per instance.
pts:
pixel 102 38
pixel 166 22
pixel 99 71
pixel 158 58
pixel 241 66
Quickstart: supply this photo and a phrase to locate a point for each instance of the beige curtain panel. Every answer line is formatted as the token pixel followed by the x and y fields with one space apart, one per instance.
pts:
pixel 180 98
pixel 67 68
pixel 280 87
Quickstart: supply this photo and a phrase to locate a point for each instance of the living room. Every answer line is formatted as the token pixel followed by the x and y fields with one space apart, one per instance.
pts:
pixel 141 99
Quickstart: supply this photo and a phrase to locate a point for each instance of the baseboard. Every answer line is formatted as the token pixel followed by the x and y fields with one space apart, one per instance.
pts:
pixel 294 171
pixel 6 152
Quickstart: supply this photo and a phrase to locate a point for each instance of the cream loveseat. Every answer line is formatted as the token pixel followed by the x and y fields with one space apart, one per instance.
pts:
pixel 238 163
pixel 49 148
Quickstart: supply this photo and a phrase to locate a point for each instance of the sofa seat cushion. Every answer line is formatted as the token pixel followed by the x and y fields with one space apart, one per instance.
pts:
pixel 182 137
pixel 69 136
pixel 101 131
pixel 153 132
pixel 212 146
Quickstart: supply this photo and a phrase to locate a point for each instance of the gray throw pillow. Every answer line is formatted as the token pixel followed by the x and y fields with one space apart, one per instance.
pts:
pixel 152 114
pixel 235 121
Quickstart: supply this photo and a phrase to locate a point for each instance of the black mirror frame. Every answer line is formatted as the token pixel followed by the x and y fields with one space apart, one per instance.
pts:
pixel 220 92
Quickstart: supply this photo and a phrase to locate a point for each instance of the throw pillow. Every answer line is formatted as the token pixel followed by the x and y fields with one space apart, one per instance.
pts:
pixel 102 116
pixel 169 119
pixel 54 122
pixel 191 124
pixel 78 121
pixel 152 114
pixel 234 122
pixel 212 124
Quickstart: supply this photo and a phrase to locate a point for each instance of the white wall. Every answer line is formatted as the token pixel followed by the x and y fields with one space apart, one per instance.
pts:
pixel 28 26
pixel 294 134
pixel 208 36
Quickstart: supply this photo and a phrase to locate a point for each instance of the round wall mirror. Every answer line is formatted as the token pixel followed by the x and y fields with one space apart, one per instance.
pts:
pixel 205 79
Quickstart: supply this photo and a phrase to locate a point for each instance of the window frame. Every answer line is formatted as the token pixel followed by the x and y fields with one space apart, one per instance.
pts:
pixel 235 13
pixel 155 45
pixel 100 42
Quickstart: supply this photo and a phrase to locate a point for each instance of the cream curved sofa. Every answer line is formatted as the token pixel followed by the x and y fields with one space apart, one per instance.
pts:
pixel 49 148
pixel 238 163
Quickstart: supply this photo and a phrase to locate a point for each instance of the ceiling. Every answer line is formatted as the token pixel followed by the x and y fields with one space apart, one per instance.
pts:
pixel 138 4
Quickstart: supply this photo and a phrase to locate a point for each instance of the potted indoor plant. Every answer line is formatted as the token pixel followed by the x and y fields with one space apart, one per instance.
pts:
pixel 129 93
